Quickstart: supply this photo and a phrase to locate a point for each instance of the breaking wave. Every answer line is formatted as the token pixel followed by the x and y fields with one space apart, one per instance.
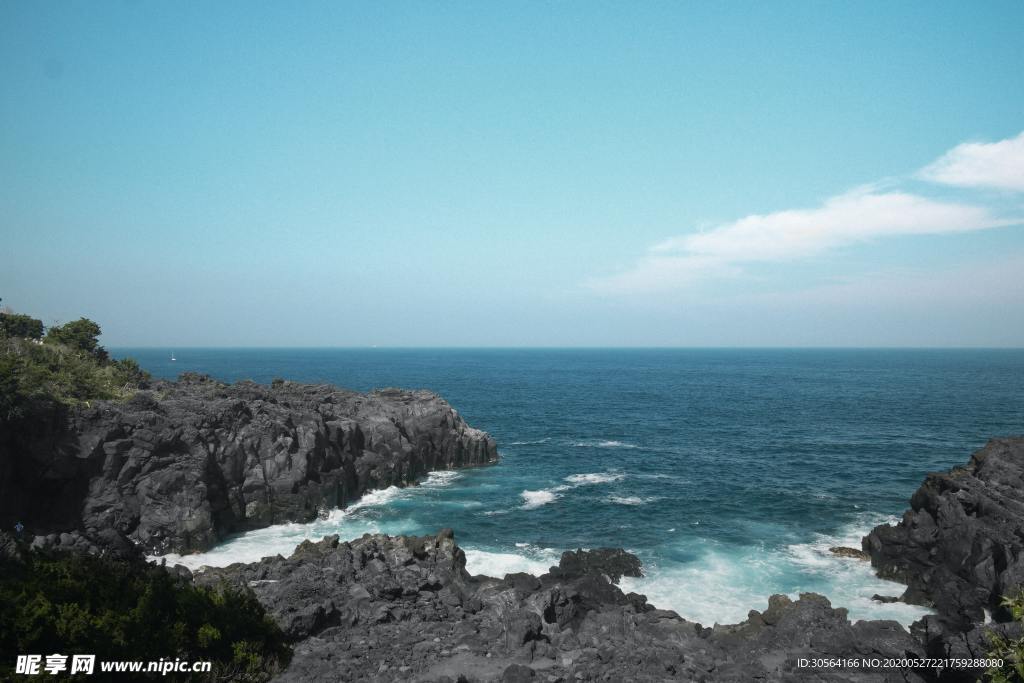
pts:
pixel 604 443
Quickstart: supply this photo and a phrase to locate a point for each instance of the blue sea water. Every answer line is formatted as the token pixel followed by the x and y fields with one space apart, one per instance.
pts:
pixel 729 472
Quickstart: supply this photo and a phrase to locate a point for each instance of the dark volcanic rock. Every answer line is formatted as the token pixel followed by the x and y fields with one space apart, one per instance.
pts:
pixel 612 562
pixel 941 641
pixel 960 547
pixel 404 609
pixel 178 467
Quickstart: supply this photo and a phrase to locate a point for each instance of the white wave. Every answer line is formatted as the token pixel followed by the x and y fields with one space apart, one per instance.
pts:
pixel 725 582
pixel 375 499
pixel 534 499
pixel 852 582
pixel 631 500
pixel 604 443
pixel 528 558
pixel 529 443
pixel 351 522
pixel 594 478
pixel 440 478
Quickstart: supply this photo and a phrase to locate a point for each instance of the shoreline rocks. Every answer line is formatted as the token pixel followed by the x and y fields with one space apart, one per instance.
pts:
pixel 383 608
pixel 960 548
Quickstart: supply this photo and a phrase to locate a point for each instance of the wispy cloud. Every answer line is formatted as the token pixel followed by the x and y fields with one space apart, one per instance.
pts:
pixel 997 165
pixel 849 218
pixel 865 214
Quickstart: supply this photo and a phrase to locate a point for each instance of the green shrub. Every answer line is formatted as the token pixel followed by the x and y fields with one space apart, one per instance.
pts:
pixel 71 603
pixel 1010 650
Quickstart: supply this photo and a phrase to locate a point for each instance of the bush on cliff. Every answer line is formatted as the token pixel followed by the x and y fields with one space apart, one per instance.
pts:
pixel 79 335
pixel 70 368
pixel 80 604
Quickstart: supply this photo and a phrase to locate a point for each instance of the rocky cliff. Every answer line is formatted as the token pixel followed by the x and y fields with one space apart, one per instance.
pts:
pixel 183 464
pixel 960 546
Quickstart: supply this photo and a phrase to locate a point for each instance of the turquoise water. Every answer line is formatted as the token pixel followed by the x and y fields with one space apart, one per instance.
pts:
pixel 729 472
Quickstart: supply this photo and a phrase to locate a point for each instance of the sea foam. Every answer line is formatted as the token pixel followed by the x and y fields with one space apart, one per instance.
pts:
pixel 604 443
pixel 361 517
pixel 594 478
pixel 534 499
pixel 526 558
pixel 727 581
pixel 631 500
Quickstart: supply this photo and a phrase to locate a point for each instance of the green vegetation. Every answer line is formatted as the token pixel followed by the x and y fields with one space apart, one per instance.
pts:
pixel 66 367
pixel 20 325
pixel 80 335
pixel 68 603
pixel 1010 650
pixel 71 603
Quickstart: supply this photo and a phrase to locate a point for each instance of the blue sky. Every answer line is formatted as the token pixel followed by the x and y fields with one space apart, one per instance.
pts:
pixel 516 174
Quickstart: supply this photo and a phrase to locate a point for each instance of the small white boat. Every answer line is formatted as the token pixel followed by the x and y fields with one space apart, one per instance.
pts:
pixel 172 356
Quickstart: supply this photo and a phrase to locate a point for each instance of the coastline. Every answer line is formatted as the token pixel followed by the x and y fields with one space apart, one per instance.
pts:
pixel 394 587
pixel 729 593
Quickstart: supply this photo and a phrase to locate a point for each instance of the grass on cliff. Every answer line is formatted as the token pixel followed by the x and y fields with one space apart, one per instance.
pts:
pixel 79 604
pixel 66 367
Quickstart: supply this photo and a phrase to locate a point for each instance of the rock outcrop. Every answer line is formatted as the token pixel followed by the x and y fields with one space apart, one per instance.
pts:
pixel 183 464
pixel 383 608
pixel 960 548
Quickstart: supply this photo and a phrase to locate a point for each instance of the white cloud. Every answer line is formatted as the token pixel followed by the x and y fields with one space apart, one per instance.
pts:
pixel 857 216
pixel 997 165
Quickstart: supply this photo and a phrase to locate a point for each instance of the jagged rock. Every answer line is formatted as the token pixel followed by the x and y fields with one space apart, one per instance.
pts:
pixel 960 547
pixel 612 562
pixel 180 466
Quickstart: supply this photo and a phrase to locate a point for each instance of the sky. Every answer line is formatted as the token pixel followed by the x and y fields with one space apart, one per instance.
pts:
pixel 515 174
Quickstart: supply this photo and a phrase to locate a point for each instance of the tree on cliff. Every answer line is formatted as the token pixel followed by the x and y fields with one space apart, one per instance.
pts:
pixel 82 335
pixel 20 325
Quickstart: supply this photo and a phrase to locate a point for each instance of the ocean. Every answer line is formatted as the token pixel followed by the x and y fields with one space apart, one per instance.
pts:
pixel 728 472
